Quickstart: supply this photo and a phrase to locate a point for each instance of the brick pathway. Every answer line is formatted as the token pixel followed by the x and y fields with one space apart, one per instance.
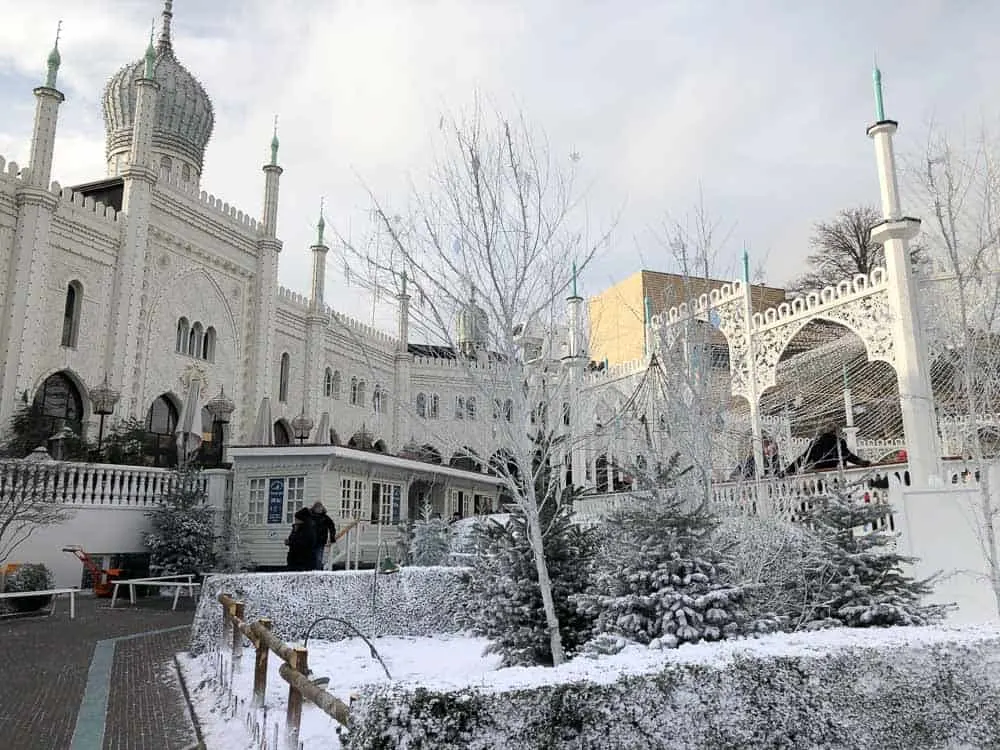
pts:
pixel 54 670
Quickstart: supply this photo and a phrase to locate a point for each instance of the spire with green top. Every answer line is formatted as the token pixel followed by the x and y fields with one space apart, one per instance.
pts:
pixel 274 143
pixel 54 60
pixel 746 264
pixel 574 280
pixel 402 276
pixel 879 104
pixel 150 56
pixel 321 225
pixel 647 305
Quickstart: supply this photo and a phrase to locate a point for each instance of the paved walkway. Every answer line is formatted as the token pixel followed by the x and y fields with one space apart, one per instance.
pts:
pixel 104 681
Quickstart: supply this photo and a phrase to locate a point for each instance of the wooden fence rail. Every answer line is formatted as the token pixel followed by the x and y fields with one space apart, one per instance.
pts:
pixel 294 670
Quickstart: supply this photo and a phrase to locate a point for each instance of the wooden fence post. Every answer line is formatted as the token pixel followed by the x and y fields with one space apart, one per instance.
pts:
pixel 225 617
pixel 300 663
pixel 238 608
pixel 260 665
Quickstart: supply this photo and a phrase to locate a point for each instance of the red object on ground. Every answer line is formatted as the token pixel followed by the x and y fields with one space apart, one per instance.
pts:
pixel 102 578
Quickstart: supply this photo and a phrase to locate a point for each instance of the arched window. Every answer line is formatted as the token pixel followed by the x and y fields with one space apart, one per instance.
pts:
pixel 377 399
pixel 566 413
pixel 508 410
pixel 161 424
pixel 422 405
pixel 166 166
pixel 470 407
pixel 282 436
pixel 336 384
pixel 361 393
pixel 71 314
pixel 354 391
pixel 59 402
pixel 186 173
pixel 435 406
pixel 195 339
pixel 328 383
pixel 208 345
pixel 459 407
pixel 283 378
pixel 183 328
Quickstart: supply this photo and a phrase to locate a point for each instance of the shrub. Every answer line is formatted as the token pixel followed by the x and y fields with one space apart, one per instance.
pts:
pixel 29 577
pixel 183 536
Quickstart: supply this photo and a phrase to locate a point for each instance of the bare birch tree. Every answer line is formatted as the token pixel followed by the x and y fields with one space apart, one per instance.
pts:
pixel 25 504
pixel 487 250
pixel 960 187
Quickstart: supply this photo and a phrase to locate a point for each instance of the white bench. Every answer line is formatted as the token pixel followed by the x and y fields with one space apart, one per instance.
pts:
pixel 176 582
pixel 48 592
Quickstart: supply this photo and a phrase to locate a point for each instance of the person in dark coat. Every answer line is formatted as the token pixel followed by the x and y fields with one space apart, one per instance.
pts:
pixel 828 451
pixel 302 542
pixel 326 532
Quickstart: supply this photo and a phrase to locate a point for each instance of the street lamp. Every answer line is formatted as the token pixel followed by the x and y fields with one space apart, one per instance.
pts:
pixel 302 426
pixel 103 399
pixel 221 408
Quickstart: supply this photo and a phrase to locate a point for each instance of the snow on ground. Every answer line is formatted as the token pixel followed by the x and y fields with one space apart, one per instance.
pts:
pixel 228 721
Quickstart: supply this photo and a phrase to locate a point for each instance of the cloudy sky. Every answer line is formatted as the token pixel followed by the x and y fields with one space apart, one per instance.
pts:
pixel 760 105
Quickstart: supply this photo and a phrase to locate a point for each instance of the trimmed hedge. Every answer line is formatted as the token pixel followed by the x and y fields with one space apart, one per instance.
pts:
pixel 905 688
pixel 416 601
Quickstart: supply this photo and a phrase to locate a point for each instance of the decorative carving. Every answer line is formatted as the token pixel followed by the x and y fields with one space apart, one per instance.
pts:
pixel 194 371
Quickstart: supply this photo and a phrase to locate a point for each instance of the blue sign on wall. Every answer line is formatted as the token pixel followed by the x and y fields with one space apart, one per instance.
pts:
pixel 275 500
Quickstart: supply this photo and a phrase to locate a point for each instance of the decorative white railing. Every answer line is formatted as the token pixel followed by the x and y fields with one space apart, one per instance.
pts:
pixel 85 484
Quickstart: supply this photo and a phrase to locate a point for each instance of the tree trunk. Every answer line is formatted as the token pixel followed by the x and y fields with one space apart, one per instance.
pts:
pixel 989 530
pixel 544 583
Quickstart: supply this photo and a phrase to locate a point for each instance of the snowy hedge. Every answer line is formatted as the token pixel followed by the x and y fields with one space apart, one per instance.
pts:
pixel 415 601
pixel 878 688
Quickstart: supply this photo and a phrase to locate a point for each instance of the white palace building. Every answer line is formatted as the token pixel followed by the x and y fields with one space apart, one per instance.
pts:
pixel 142 286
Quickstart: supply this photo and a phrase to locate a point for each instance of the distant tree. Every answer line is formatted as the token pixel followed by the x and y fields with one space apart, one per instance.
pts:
pixel 183 536
pixel 430 541
pixel 841 248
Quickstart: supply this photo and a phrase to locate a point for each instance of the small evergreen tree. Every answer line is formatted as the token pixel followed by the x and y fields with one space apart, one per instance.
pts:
pixel 183 536
pixel 860 582
pixel 505 603
pixel 659 580
pixel 430 539
pixel 29 428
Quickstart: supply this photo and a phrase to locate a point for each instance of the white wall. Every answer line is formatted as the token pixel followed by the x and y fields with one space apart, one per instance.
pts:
pixel 940 527
pixel 98 530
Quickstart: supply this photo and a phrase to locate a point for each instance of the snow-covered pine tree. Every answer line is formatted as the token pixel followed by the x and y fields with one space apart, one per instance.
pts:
pixel 659 582
pixel 183 536
pixel 860 582
pixel 505 603
pixel 430 539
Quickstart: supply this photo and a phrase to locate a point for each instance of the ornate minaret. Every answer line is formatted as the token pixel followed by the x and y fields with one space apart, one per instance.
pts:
pixel 912 363
pixel 576 361
pixel 139 176
pixel 402 368
pixel 316 324
pixel 265 291
pixel 22 329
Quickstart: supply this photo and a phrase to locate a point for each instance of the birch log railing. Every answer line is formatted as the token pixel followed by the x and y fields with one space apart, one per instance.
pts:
pixel 294 670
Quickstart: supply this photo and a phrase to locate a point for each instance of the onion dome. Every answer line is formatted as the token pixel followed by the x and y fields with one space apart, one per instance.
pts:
pixel 184 116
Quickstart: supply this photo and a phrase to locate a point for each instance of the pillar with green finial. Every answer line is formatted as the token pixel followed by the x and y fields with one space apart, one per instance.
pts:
pixel 54 60
pixel 320 225
pixel 274 143
pixel 746 264
pixel 879 104
pixel 150 58
pixel 574 280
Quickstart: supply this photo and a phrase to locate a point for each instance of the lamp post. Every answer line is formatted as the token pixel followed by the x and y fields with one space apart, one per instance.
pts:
pixel 386 566
pixel 103 399
pixel 221 408
pixel 302 426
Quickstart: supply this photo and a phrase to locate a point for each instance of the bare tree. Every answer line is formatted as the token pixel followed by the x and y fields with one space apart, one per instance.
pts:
pixel 25 503
pixel 841 248
pixel 487 250
pixel 960 187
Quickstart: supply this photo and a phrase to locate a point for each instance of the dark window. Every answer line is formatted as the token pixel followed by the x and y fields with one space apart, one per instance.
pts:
pixel 71 314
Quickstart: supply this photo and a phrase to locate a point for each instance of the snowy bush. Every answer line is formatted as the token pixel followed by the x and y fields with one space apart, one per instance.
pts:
pixel 183 535
pixel 504 602
pixel 430 539
pixel 893 689
pixel 415 601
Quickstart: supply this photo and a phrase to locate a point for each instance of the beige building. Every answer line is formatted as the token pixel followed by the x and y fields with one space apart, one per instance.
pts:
pixel 617 315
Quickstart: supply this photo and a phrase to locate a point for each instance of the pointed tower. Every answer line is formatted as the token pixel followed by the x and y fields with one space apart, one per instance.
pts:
pixel 316 325
pixel 139 176
pixel 23 326
pixel 402 393
pixel 575 362
pixel 912 363
pixel 260 372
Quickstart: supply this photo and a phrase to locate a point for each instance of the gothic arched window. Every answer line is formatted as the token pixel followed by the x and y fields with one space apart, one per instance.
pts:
pixel 354 391
pixel 71 314
pixel 435 406
pixel 208 345
pixel 283 377
pixel 328 383
pixel 422 405
pixel 336 384
pixel 377 399
pixel 183 328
